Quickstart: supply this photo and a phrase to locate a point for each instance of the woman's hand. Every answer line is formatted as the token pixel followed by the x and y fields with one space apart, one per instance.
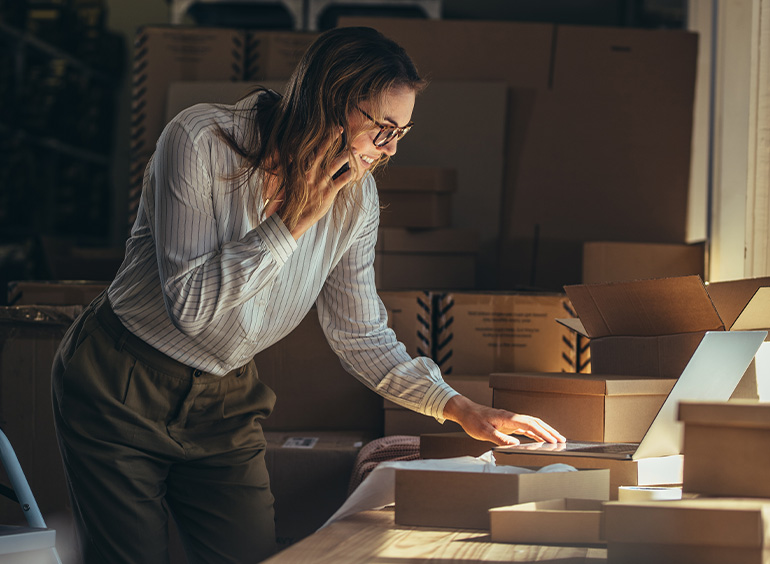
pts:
pixel 320 182
pixel 495 425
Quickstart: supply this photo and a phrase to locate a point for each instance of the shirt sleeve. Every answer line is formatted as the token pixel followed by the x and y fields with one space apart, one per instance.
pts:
pixel 354 320
pixel 204 275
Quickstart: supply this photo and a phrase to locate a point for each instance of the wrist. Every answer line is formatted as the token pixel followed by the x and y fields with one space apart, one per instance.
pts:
pixel 455 407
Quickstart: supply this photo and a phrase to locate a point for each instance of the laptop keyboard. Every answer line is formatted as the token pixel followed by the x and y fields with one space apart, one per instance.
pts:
pixel 611 448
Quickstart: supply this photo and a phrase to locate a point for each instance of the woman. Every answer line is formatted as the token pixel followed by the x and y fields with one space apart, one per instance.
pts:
pixel 249 215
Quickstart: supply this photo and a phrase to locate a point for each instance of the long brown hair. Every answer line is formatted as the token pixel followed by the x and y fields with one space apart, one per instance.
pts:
pixel 342 68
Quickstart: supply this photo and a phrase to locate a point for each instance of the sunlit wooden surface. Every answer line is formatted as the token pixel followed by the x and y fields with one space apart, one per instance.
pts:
pixel 372 537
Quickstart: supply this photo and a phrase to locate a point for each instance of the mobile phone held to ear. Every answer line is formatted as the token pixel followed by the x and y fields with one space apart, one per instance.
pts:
pixel 346 166
pixel 341 171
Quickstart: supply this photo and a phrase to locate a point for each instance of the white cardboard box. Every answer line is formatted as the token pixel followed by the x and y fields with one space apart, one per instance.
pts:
pixel 555 521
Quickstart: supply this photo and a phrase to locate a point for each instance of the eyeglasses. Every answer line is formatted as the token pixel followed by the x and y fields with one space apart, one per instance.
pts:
pixel 387 132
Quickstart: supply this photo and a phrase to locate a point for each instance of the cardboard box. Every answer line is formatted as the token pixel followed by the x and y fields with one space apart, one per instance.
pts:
pixel 416 197
pixel 500 332
pixel 693 531
pixel 726 448
pixel 29 337
pixel 615 409
pixel 310 472
pixel 660 471
pixel 554 521
pixel 462 500
pixel 61 292
pixel 274 54
pixel 643 327
pixel 451 444
pixel 571 100
pixel 402 421
pixel 612 261
pixel 434 258
pixel 410 315
pixel 313 389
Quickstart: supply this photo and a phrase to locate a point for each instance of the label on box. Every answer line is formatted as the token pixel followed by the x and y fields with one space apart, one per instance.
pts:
pixel 300 442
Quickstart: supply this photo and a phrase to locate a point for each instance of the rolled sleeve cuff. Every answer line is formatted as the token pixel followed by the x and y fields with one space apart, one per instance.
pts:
pixel 277 238
pixel 436 398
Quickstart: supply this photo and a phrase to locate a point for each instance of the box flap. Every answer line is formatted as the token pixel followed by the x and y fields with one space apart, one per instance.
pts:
pixel 662 306
pixel 580 384
pixel 732 298
pixel 575 324
pixel 726 414
pixel 756 314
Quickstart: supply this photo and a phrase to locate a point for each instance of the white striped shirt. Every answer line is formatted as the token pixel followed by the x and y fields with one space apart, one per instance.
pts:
pixel 209 282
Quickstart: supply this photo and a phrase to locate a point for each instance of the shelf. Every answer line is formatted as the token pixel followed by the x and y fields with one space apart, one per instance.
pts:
pixel 54 145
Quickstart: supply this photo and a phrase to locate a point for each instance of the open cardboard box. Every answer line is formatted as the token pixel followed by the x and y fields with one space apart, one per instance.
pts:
pixel 568 521
pixel 652 327
pixel 692 531
pixel 726 448
pixel 584 407
pixel 462 500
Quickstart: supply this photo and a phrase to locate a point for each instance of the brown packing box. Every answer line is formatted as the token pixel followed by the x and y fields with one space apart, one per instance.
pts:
pixel 402 421
pixel 274 54
pixel 726 448
pixel 29 337
pixel 692 531
pixel 613 261
pixel 561 521
pixel 643 327
pixel 434 498
pixel 416 196
pixel 502 332
pixel 310 473
pixel 601 102
pixel 410 317
pixel 585 407
pixel 313 390
pixel 426 258
pixel 62 292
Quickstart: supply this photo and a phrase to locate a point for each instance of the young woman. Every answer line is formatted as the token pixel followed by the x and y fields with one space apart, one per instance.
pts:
pixel 250 214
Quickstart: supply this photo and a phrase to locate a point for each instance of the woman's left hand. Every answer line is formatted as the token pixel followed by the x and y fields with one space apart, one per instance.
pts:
pixel 495 425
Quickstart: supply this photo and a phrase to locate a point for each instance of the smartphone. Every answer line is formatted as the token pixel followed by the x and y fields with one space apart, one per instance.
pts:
pixel 346 166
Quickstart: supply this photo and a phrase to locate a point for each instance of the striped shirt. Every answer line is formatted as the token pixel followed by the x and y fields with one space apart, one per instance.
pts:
pixel 210 282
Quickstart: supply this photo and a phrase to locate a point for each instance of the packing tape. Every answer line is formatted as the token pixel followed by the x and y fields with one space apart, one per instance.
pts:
pixel 648 493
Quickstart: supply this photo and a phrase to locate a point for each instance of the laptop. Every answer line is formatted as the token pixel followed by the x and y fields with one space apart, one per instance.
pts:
pixel 712 374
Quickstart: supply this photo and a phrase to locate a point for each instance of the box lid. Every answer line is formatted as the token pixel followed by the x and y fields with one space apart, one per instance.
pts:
pixel 703 521
pixel 742 304
pixel 581 384
pixel 735 413
pixel 642 308
pixel 417 179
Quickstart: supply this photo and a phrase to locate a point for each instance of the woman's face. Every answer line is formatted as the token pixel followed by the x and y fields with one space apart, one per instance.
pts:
pixel 396 112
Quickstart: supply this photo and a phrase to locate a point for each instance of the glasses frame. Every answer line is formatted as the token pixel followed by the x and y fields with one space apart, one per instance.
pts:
pixel 398 132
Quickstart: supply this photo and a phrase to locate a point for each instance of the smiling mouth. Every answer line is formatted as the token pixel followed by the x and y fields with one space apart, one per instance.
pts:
pixel 367 160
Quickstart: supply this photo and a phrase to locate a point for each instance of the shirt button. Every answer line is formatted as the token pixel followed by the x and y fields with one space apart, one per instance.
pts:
pixel 197 373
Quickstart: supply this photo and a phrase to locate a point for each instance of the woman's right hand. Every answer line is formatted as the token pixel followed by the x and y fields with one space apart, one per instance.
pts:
pixel 320 182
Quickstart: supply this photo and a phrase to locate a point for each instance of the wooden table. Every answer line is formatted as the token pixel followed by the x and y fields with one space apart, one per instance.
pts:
pixel 372 537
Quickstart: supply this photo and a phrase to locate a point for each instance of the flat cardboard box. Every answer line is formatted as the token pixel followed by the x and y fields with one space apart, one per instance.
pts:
pixel 616 261
pixel 402 421
pixel 601 102
pixel 432 498
pixel 726 448
pixel 313 389
pixel 310 472
pixel 416 196
pixel 661 471
pixel 555 521
pixel 585 407
pixel 59 293
pixel 692 531
pixel 410 315
pixel 643 327
pixel 503 332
